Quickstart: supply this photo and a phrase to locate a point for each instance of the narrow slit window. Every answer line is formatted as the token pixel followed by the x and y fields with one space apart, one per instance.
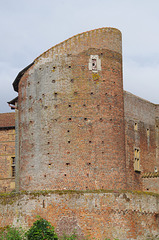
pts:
pixel 13 166
pixel 137 160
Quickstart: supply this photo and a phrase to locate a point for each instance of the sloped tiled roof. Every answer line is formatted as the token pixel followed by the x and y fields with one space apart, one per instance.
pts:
pixel 7 120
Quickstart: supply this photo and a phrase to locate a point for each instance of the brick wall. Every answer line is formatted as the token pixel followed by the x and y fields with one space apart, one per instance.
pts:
pixel 143 136
pixel 7 151
pixel 100 214
pixel 71 119
pixel 151 184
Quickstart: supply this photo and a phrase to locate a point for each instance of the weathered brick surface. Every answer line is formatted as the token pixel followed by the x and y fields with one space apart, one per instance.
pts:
pixel 7 119
pixel 151 184
pixel 7 150
pixel 72 119
pixel 145 138
pixel 99 215
pixel 75 130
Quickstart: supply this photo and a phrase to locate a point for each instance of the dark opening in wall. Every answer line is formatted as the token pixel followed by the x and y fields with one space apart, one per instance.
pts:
pixel 65 174
pixel 48 143
pixel 44 175
pixel 69 66
pixel 102 152
pixel 102 142
pixel 72 80
pixel 111 119
pixel 87 174
pixel 85 119
pixel 48 153
pixel 43 203
pixel 105 94
pixel 47 132
pixel 43 95
pixel 68 130
pixel 54 68
pixel 84 105
pixel 70 119
pixel 90 141
pixel 91 93
pixel 55 93
pixel 49 164
pixel 69 141
pixel 53 81
pixel 38 82
pixel 13 166
pixel 135 126
pixel 69 105
pixel 89 163
pixel 67 163
pixel 101 119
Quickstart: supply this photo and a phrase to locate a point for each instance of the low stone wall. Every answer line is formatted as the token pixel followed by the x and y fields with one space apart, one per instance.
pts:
pixel 98 214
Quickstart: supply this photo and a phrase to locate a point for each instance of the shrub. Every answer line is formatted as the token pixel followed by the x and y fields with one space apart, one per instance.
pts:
pixel 42 230
pixel 12 233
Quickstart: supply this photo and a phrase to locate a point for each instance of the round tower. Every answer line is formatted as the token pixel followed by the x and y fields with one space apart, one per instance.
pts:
pixel 71 115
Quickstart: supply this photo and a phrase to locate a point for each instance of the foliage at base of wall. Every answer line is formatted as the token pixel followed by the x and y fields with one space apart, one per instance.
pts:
pixel 43 230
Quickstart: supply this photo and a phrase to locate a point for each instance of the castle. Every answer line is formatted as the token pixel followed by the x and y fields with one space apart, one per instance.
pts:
pixel 77 130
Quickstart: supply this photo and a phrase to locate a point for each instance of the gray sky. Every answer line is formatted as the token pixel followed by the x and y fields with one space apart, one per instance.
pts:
pixel 30 27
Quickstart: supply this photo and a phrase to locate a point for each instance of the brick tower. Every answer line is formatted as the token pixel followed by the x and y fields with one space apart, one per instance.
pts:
pixel 71 115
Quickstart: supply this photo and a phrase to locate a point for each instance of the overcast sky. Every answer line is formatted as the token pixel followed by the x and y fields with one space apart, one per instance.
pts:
pixel 30 27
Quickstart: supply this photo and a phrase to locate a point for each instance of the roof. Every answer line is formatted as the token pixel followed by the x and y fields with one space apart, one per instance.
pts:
pixel 13 101
pixel 19 76
pixel 7 120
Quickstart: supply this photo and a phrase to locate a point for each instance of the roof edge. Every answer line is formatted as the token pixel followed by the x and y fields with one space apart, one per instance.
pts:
pixel 19 76
pixel 13 101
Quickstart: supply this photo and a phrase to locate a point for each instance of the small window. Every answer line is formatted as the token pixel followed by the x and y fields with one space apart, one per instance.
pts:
pixel 137 160
pixel 148 132
pixel 135 126
pixel 13 166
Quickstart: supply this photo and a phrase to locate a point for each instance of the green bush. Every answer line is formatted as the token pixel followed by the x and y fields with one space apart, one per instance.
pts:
pixel 41 230
pixel 12 233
